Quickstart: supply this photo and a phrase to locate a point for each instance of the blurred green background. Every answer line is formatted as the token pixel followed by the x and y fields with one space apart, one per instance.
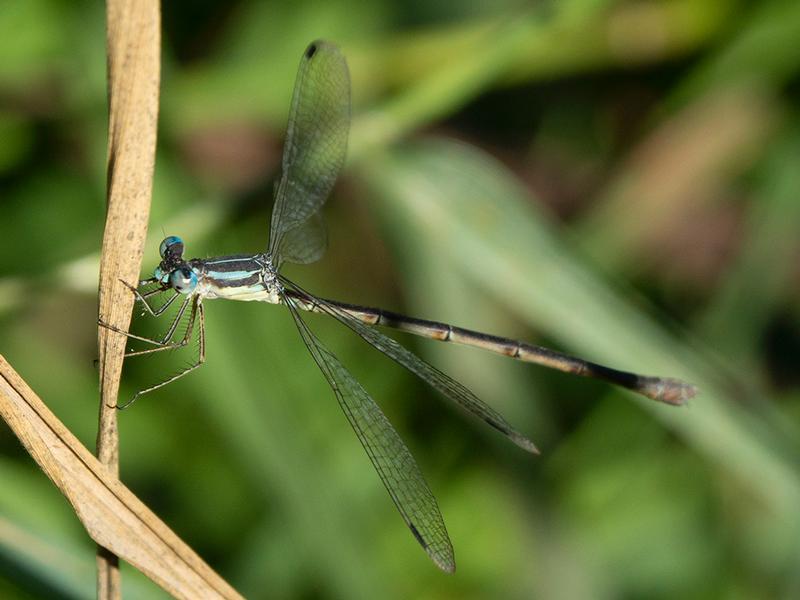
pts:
pixel 617 179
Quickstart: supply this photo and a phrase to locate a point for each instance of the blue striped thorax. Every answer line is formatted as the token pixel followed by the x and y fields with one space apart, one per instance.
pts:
pixel 236 277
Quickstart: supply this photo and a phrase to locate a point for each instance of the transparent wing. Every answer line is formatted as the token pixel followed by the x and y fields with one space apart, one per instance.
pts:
pixel 307 242
pixel 389 455
pixel 445 384
pixel 316 145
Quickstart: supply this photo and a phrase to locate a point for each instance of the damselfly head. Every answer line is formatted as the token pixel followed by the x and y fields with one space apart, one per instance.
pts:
pixel 171 246
pixel 173 270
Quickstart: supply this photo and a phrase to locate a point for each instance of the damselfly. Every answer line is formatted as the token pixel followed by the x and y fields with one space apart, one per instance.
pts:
pixel 314 153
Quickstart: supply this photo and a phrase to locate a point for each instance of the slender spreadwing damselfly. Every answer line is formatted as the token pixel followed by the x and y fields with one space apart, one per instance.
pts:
pixel 316 144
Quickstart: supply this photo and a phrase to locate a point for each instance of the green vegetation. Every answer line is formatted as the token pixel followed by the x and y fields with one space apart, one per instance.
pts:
pixel 618 179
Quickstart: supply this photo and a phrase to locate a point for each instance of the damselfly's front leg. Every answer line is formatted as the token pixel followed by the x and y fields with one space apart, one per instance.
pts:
pixel 155 312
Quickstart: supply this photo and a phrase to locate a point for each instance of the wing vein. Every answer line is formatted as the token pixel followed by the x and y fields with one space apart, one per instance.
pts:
pixel 446 385
pixel 313 155
pixel 388 453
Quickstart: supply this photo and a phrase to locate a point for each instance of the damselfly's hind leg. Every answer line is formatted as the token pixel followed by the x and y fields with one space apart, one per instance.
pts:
pixel 198 316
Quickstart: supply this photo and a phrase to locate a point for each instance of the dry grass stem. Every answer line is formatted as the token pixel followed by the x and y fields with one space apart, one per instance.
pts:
pixel 134 46
pixel 113 516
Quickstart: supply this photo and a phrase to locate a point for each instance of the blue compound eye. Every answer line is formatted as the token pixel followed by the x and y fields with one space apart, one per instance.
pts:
pixel 183 280
pixel 172 245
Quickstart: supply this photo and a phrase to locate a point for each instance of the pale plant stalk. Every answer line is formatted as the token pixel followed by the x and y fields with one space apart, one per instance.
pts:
pixel 134 46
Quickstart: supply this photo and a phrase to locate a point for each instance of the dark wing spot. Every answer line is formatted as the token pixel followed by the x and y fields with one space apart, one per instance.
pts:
pixel 417 535
pixel 311 50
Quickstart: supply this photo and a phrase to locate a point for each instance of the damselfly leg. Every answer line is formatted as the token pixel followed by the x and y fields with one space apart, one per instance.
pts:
pixel 196 316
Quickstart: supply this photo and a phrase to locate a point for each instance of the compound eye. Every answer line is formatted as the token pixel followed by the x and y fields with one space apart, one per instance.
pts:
pixel 183 280
pixel 172 245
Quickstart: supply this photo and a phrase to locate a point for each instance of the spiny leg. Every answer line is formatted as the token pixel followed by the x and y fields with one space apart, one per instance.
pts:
pixel 163 344
pixel 197 313
pixel 143 297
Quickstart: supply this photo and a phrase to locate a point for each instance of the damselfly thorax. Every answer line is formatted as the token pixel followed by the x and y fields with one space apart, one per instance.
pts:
pixel 237 277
